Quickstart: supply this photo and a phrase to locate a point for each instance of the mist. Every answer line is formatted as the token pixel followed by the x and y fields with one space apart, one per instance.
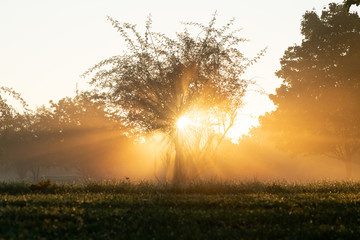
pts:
pixel 165 109
pixel 102 154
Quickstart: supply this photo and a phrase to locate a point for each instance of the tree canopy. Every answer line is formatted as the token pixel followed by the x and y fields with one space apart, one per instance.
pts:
pixel 348 3
pixel 318 103
pixel 161 79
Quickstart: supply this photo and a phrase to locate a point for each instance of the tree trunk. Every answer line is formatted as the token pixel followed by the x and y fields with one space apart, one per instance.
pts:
pixel 36 173
pixel 179 164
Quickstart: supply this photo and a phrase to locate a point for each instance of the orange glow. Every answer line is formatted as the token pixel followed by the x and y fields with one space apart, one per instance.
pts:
pixel 183 122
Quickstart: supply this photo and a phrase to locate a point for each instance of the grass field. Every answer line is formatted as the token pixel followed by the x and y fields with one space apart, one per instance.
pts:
pixel 124 210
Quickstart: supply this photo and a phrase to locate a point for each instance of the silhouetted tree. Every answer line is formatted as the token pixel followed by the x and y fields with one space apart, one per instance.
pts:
pixel 8 112
pixel 11 120
pixel 159 79
pixel 84 134
pixel 348 3
pixel 318 103
pixel 74 133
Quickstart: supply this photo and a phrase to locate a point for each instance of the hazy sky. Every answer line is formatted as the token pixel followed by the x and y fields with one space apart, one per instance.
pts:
pixel 46 45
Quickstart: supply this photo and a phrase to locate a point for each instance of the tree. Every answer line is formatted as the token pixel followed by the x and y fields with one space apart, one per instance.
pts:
pixel 318 103
pixel 74 133
pixel 161 80
pixel 10 119
pixel 348 3
pixel 80 134
pixel 7 111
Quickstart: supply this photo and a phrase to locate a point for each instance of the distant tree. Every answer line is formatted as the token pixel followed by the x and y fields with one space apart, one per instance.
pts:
pixel 161 79
pixel 348 3
pixel 84 134
pixel 7 111
pixel 74 133
pixel 318 103
pixel 11 119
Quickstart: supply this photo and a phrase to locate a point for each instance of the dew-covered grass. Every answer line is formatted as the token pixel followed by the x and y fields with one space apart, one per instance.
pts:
pixel 202 210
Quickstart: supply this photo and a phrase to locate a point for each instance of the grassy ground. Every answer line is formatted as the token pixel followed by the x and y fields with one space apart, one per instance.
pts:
pixel 123 210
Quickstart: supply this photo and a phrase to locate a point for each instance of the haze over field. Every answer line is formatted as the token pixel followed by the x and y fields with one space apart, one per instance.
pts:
pixel 174 107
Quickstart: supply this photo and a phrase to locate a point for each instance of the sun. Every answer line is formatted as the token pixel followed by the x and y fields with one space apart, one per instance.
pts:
pixel 182 122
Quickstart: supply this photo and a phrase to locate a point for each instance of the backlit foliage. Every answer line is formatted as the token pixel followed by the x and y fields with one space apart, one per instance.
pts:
pixel 160 79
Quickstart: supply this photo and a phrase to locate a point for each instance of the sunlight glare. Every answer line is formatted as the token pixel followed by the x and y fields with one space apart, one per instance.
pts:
pixel 182 122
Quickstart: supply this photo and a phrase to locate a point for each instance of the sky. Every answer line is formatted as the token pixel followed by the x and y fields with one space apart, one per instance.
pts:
pixel 46 45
